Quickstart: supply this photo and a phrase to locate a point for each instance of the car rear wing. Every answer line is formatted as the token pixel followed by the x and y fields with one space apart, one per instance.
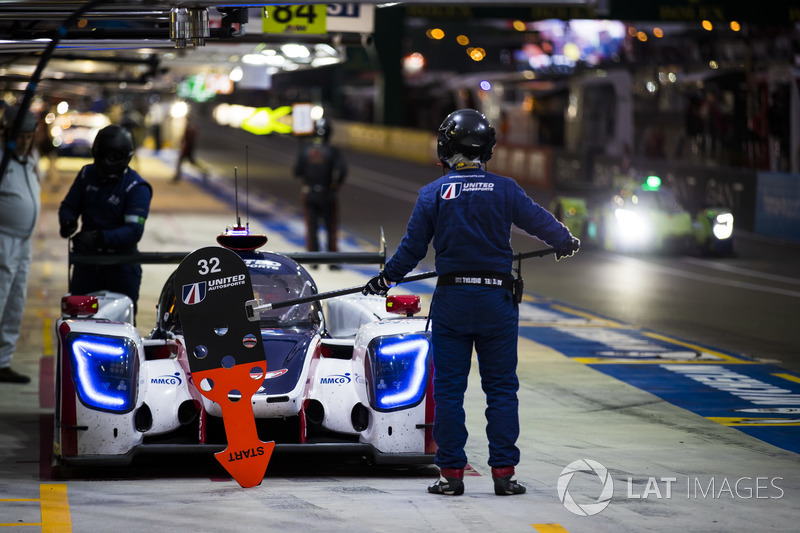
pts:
pixel 162 258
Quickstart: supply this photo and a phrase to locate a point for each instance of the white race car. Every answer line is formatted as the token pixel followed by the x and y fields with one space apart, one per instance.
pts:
pixel 349 375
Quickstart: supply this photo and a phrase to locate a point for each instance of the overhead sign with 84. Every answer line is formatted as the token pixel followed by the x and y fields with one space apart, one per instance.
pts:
pixel 306 19
pixel 318 18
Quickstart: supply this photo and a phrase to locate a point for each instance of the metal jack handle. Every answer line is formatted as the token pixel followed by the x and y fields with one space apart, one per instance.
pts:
pixel 253 308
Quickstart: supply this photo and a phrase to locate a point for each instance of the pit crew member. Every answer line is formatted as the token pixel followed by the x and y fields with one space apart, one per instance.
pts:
pixel 112 201
pixel 468 214
pixel 19 211
pixel 323 171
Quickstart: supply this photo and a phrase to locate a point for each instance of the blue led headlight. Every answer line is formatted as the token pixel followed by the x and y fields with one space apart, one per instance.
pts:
pixel 398 370
pixel 105 370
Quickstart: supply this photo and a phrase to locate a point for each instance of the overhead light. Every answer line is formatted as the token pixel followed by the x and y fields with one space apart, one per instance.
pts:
pixel 324 48
pixel 323 61
pixel 295 51
pixel 254 59
pixel 435 33
pixel 179 109
pixel 414 62
pixel 317 112
pixel 476 54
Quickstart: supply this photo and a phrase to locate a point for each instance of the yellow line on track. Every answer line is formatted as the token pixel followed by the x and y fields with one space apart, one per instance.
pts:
pixel 54 506
pixel 788 377
pixel 606 322
pixel 55 509
pixel 727 358
pixel 549 528
pixel 740 421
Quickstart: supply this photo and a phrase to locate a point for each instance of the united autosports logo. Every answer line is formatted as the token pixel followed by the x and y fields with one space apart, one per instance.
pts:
pixel 451 190
pixel 194 293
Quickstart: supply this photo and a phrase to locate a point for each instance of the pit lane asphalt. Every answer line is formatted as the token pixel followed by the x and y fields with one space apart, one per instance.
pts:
pixel 669 469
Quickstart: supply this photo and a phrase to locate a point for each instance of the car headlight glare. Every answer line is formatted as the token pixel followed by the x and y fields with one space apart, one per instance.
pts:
pixel 398 370
pixel 105 370
pixel 723 226
pixel 631 227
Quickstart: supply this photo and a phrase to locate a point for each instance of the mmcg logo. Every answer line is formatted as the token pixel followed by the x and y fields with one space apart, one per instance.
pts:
pixel 167 379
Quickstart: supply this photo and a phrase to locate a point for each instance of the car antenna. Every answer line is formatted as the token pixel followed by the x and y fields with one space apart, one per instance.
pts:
pixel 236 195
pixel 247 183
pixel 239 237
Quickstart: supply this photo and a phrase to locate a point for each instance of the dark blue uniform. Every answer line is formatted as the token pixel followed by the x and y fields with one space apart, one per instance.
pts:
pixel 323 170
pixel 118 209
pixel 468 214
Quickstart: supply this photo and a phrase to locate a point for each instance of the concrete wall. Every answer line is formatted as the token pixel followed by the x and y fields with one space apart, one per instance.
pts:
pixel 529 165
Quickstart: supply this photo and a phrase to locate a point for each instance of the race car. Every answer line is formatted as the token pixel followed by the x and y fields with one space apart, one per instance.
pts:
pixel 646 217
pixel 73 133
pixel 350 375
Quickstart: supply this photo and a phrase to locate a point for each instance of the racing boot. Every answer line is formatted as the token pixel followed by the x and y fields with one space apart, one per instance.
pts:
pixel 9 376
pixel 504 485
pixel 450 482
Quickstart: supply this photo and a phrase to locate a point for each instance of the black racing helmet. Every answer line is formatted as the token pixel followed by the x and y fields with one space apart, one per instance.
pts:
pixel 466 132
pixel 112 151
pixel 22 146
pixel 323 128
pixel 10 114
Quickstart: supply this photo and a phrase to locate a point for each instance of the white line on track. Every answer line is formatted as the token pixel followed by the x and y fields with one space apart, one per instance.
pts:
pixel 387 185
pixel 743 271
pixel 708 279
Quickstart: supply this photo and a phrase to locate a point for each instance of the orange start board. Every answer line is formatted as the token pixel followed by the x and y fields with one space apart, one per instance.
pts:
pixel 225 351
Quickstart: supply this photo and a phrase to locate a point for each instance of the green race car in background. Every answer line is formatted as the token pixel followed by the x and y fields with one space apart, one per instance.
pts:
pixel 646 217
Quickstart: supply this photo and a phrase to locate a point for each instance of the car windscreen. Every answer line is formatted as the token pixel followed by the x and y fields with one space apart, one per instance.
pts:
pixel 274 282
pixel 660 200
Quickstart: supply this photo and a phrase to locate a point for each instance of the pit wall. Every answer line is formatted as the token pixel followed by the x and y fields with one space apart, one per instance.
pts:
pixel 529 165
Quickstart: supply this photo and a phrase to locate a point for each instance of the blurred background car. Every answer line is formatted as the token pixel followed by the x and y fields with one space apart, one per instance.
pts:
pixel 73 133
pixel 645 216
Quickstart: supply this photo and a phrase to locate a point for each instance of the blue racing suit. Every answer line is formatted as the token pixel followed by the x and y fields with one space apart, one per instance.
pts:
pixel 468 214
pixel 118 209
